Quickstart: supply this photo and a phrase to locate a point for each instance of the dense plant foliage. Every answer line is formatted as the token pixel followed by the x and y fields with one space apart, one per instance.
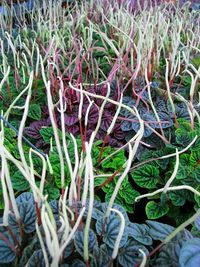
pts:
pixel 100 133
pixel 102 235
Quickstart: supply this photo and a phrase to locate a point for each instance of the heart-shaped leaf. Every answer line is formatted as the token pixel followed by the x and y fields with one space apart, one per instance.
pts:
pixel 146 176
pixel 156 210
pixel 25 197
pixel 27 213
pixel 109 229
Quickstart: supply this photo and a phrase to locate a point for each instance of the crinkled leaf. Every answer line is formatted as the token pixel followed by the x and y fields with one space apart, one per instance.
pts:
pixel 159 231
pixel 146 176
pixel 52 192
pixel 126 126
pixel 34 112
pixel 68 250
pixel 195 158
pixel 101 257
pixel 190 253
pixel 25 197
pixel 79 241
pixel 179 197
pixel 117 207
pixel 19 183
pixel 128 193
pixel 165 120
pixel 183 137
pixel 7 255
pixel 140 232
pixel 129 255
pixel 169 255
pixel 70 119
pixel 27 213
pixel 183 171
pixel 37 259
pixel 115 162
pixel 196 173
pixel 156 210
pixel 110 230
pixel 47 134
pixel 27 253
pixel 56 166
pixel 197 223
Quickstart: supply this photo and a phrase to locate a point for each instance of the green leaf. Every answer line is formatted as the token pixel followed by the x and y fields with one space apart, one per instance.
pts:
pixel 196 61
pixel 185 159
pixel 48 134
pixel 118 200
pixel 196 173
pixel 100 180
pixel 196 197
pixel 156 210
pixel 178 197
pixel 34 112
pixel 52 192
pixel 183 171
pixel 183 137
pixel 146 176
pixel 19 183
pixel 128 193
pixel 1 199
pixel 195 157
pixel 55 163
pixel 115 162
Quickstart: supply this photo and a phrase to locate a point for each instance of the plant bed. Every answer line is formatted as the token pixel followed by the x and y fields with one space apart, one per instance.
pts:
pixel 100 134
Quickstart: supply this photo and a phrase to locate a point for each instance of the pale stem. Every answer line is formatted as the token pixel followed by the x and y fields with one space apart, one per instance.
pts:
pixel 91 201
pixel 55 130
pixel 144 258
pixel 120 234
pixel 22 125
pixel 42 245
pixel 173 176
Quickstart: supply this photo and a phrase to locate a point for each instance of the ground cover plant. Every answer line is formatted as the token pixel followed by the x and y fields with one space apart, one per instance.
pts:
pixel 100 133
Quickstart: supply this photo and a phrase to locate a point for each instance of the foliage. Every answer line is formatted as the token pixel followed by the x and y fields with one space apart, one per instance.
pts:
pixel 91 46
pixel 102 236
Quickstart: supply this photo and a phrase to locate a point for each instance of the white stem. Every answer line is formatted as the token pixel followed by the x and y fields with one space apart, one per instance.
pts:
pixel 120 234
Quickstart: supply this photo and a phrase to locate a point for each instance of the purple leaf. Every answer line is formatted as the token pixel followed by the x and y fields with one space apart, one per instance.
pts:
pixel 93 113
pixel 33 129
pixel 74 129
pixel 70 119
pixel 118 133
